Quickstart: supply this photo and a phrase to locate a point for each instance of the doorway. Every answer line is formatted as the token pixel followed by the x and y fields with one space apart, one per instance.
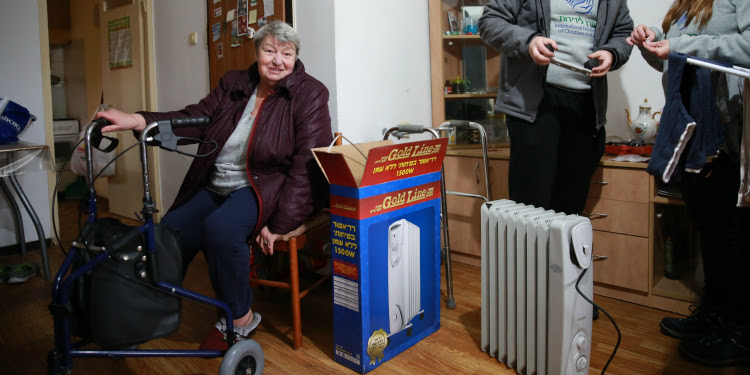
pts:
pixel 89 74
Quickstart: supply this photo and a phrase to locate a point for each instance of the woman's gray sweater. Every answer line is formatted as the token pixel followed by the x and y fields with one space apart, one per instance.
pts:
pixel 725 37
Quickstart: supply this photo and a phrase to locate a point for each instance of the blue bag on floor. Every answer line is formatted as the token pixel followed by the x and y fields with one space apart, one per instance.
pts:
pixel 14 119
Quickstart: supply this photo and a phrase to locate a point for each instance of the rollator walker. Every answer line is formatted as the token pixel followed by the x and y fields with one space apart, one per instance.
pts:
pixel 120 286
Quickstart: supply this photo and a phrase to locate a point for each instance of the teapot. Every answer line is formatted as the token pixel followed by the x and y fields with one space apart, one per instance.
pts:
pixel 644 126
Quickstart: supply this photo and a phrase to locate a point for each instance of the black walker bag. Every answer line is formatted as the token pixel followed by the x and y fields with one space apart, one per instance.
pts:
pixel 113 304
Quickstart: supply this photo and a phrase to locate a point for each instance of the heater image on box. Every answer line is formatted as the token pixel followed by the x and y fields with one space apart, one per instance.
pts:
pixel 403 274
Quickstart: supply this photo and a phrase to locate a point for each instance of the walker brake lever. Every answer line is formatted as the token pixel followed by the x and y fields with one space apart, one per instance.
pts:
pixel 166 137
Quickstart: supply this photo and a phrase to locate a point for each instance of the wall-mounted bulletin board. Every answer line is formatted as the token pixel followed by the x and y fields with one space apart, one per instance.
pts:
pixel 231 27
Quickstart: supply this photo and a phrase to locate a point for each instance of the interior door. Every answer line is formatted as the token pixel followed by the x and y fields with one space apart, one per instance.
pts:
pixel 125 85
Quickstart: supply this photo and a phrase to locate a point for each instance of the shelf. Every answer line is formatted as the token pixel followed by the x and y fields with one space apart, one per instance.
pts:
pixel 492 146
pixel 461 37
pixel 676 289
pixel 491 95
pixel 664 200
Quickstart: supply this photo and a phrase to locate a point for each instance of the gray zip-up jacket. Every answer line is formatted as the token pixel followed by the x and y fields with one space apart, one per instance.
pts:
pixel 509 26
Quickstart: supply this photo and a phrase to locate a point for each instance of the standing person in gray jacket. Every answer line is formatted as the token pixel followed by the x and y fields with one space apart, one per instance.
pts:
pixel 717 333
pixel 556 116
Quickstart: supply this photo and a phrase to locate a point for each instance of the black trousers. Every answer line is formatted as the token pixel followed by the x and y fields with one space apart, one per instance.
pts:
pixel 553 158
pixel 711 198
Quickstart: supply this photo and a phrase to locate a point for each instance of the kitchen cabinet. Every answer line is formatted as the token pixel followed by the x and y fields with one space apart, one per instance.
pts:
pixel 466 57
pixel 631 223
pixel 466 174
pixel 618 206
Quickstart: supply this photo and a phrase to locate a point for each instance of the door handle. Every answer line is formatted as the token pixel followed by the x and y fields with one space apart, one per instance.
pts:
pixel 599 183
pixel 600 257
pixel 476 172
pixel 595 215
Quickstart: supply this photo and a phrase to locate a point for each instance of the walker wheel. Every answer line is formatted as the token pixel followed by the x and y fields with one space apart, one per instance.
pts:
pixel 245 357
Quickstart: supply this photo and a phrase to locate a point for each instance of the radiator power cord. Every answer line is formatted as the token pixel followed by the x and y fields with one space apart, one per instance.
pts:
pixel 619 334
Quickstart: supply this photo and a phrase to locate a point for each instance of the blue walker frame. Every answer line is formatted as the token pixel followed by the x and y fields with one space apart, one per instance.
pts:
pixel 60 359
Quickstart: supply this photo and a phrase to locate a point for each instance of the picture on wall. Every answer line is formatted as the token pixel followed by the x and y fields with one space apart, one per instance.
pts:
pixel 235 38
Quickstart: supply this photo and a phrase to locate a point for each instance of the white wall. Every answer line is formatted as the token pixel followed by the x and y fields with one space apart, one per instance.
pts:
pixel 377 65
pixel 182 76
pixel 314 22
pixel 637 80
pixel 21 81
pixel 383 66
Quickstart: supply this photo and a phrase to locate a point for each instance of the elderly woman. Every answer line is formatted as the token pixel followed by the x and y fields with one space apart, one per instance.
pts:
pixel 262 179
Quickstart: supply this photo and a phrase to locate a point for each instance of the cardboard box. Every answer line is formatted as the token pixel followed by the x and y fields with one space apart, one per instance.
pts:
pixel 385 237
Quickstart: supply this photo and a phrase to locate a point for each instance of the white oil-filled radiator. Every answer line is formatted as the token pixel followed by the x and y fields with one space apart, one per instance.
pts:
pixel 533 319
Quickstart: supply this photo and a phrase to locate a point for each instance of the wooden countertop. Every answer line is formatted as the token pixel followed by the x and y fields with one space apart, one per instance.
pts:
pixel 503 153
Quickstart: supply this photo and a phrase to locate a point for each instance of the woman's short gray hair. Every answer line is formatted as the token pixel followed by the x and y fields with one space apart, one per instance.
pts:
pixel 279 30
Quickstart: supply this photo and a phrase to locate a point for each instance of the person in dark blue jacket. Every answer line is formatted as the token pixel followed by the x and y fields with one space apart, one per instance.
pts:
pixel 717 333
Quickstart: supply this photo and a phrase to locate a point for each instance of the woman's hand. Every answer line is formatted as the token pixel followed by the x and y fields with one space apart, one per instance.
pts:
pixel 266 239
pixel 605 63
pixel 122 121
pixel 539 52
pixel 641 34
pixel 660 48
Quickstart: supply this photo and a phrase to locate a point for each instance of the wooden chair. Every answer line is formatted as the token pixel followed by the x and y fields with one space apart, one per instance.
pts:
pixel 293 242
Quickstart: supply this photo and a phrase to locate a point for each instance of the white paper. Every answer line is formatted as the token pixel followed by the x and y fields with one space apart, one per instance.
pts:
pixel 267 8
pixel 633 158
pixel 230 15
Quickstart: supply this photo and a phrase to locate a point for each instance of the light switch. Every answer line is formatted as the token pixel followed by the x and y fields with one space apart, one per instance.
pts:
pixel 193 38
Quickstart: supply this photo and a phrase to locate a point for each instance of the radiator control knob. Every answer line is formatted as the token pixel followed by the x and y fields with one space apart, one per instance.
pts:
pixel 581 341
pixel 581 363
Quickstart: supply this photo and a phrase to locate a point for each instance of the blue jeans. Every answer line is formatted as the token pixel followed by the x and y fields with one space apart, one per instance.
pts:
pixel 220 226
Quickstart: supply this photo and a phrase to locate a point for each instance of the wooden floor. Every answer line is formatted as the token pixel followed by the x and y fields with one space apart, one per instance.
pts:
pixel 26 333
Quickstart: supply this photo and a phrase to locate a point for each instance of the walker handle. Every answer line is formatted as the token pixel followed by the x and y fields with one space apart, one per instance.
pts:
pixel 190 121
pixel 100 123
pixel 410 128
pixel 96 135
pixel 459 123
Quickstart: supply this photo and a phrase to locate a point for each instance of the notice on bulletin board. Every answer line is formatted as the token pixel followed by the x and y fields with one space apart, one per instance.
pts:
pixel 120 54
pixel 267 8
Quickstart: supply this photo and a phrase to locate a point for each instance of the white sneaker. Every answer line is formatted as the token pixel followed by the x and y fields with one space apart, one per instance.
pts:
pixel 241 333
